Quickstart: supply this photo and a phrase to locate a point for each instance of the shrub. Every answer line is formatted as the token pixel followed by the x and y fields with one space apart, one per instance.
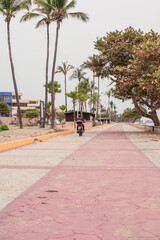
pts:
pixel 3 127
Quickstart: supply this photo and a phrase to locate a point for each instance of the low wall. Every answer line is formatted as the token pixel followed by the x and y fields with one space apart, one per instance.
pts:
pixel 157 129
pixel 147 128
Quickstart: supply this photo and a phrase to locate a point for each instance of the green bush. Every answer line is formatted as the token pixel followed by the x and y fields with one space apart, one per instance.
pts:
pixel 3 127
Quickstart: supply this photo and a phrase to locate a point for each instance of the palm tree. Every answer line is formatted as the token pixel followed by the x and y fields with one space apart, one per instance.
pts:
pixel 64 69
pixel 108 93
pixel 57 88
pixel 95 65
pixel 86 88
pixel 9 8
pixel 112 106
pixel 79 74
pixel 74 96
pixel 82 97
pixel 46 14
pixel 61 8
pixel 92 63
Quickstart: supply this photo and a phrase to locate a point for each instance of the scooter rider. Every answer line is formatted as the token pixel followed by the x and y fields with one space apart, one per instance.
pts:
pixel 80 121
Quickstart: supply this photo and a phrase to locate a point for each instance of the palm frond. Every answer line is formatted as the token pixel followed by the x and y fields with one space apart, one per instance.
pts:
pixel 20 5
pixel 29 16
pixel 2 11
pixel 59 69
pixel 80 15
pixel 5 5
pixel 41 22
pixel 45 11
pixel 44 4
pixel 60 4
pixel 72 4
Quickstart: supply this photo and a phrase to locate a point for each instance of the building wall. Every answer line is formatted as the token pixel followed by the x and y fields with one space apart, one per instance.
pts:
pixel 9 98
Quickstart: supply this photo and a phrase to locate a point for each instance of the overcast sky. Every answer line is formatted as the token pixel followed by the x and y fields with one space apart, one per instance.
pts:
pixel 76 43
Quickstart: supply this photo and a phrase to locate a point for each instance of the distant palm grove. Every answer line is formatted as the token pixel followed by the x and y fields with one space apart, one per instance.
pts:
pixel 46 12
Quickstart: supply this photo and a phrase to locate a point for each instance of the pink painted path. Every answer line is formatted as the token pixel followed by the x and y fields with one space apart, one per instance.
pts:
pixel 107 189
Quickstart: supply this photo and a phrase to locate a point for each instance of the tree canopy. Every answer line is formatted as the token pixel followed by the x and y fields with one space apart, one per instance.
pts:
pixel 132 60
pixel 4 108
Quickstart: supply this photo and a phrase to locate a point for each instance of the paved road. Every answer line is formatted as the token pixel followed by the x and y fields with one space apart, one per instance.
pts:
pixel 104 185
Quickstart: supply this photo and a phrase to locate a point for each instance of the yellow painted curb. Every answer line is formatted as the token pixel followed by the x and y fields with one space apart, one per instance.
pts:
pixel 22 142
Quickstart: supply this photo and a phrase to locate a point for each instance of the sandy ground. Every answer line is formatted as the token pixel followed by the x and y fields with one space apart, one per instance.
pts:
pixel 15 133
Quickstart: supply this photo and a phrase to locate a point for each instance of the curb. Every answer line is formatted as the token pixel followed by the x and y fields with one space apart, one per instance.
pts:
pixel 23 142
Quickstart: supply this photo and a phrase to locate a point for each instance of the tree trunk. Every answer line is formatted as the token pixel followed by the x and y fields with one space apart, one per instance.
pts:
pixel 13 76
pixel 97 101
pixel 93 122
pixel 93 90
pixel 86 106
pixel 152 116
pixel 81 109
pixel 46 87
pixel 79 100
pixel 74 115
pixel 52 79
pixel 155 119
pixel 65 85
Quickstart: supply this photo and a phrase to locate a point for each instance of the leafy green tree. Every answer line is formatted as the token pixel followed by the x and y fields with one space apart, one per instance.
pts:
pixel 9 8
pixel 62 107
pixel 61 12
pixel 64 68
pixel 31 113
pixel 4 109
pixel 132 114
pixel 74 96
pixel 131 59
pixel 57 88
pixel 44 11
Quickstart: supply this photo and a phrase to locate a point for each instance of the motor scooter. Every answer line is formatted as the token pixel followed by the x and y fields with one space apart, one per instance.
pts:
pixel 80 127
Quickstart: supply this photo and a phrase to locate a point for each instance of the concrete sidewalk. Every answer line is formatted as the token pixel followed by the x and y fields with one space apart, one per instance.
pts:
pixel 104 185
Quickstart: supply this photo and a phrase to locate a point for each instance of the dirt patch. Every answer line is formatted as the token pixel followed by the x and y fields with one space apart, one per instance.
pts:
pixel 14 133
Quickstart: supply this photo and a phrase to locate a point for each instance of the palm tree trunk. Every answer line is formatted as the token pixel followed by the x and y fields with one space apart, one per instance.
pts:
pixel 65 85
pixel 86 106
pixel 93 121
pixel 46 87
pixel 74 115
pixel 81 109
pixel 13 76
pixel 93 90
pixel 52 79
pixel 97 101
pixel 79 100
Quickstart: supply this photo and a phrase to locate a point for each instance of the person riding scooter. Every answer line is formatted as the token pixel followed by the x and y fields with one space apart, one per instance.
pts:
pixel 80 122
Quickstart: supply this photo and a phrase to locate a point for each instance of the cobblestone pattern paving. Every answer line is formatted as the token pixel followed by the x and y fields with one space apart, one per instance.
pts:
pixel 106 189
pixel 148 143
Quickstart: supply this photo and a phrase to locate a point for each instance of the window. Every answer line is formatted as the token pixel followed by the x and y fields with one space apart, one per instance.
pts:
pixel 32 102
